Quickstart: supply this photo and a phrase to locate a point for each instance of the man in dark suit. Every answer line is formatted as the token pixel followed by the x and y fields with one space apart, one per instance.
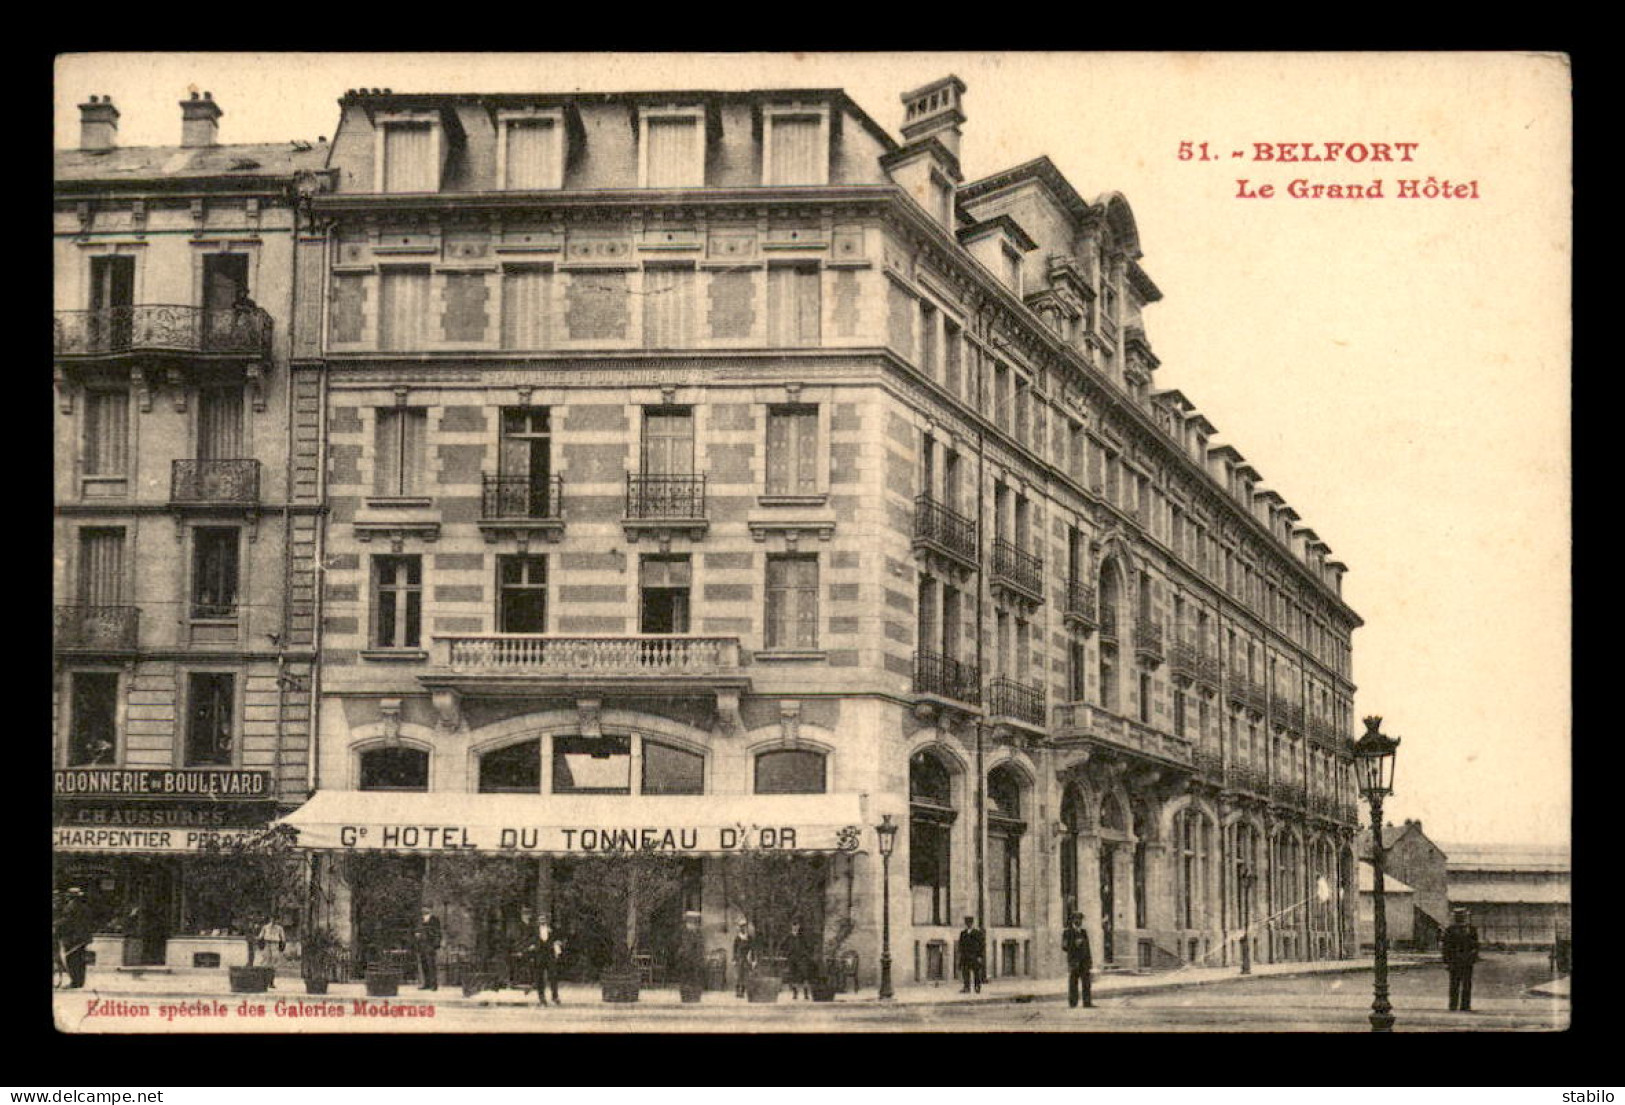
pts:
pixel 545 951
pixel 970 954
pixel 744 958
pixel 426 937
pixel 1079 962
pixel 1460 953
pixel 74 932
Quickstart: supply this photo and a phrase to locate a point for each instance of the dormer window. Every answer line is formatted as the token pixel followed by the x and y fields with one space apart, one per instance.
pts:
pixel 1012 268
pixel 409 154
pixel 530 155
pixel 671 145
pixel 942 199
pixel 796 150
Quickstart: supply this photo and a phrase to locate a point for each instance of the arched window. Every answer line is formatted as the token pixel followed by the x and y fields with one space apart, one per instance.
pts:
pixel 930 829
pixel 1110 608
pixel 395 769
pixel 1004 830
pixel 515 769
pixel 668 769
pixel 790 771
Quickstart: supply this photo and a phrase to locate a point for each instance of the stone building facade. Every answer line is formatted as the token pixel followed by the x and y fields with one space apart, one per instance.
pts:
pixel 183 647
pixel 715 462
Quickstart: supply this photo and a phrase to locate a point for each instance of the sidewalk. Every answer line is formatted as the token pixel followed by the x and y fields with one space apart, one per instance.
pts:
pixel 185 985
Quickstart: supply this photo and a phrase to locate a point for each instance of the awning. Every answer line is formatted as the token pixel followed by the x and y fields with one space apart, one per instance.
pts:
pixel 578 824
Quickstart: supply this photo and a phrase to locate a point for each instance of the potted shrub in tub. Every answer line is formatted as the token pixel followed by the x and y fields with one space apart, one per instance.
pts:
pixel 319 957
pixel 609 901
pixel 827 971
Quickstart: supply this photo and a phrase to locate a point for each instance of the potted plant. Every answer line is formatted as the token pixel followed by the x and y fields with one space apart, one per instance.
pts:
pixel 319 956
pixel 610 899
pixel 828 970
pixel 773 890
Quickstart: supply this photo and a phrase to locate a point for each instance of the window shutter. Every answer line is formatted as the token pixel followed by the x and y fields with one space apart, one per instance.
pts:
pixel 403 307
pixel 414 424
pixel 409 158
pixel 107 432
pixel 533 155
pixel 220 424
pixel 806 424
pixel 797 154
pixel 778 453
pixel 387 453
pixel 526 301
pixel 673 153
pixel 101 567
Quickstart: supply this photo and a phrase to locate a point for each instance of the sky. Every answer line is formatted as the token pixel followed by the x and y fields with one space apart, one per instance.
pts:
pixel 1397 368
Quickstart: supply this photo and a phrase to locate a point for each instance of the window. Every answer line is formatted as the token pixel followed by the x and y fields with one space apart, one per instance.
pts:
pixel 93 719
pixel 220 424
pixel 107 435
pixel 525 464
pixel 1001 396
pixel 409 158
pixel 214 572
pixel 592 765
pixel 668 307
pixel 797 152
pixel 671 770
pixel 209 701
pixel 930 836
pixel 522 594
pixel 668 441
pixel 403 308
pixel 673 152
pixel 515 769
pixel 794 304
pixel 792 451
pixel 1022 392
pixel 397 601
pixel 101 567
pixel 790 771
pixel 952 352
pixel 1012 269
pixel 792 602
pixel 112 292
pixel 398 456
pixel 225 288
pixel 395 769
pixel 942 199
pixel 1145 697
pixel 664 585
pixel 1078 666
pixel 534 155
pixel 1005 828
pixel 928 339
pixel 1179 713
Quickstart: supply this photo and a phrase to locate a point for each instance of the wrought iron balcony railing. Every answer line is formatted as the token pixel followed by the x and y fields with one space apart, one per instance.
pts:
pixel 1148 638
pixel 1080 603
pixel 1017 568
pixel 947 530
pixel 1108 623
pixel 1348 813
pixel 525 653
pixel 163 328
pixel 947 677
pixel 1287 794
pixel 215 482
pixel 1287 713
pixel 1184 661
pixel 658 497
pixel 1208 669
pixel 520 497
pixel 1257 697
pixel 1010 698
pixel 1236 684
pixel 97 628
pixel 1208 764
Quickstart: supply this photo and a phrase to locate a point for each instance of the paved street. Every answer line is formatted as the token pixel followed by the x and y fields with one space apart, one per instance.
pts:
pixel 1332 998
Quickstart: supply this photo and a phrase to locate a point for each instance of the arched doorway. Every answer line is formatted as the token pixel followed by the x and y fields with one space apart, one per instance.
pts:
pixel 1114 836
pixel 930 838
pixel 1072 824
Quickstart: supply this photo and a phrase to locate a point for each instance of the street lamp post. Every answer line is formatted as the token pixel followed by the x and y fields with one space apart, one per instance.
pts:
pixel 1374 755
pixel 886 832
pixel 1245 879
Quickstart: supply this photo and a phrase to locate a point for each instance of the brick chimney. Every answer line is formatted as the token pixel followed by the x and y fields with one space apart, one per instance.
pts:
pixel 200 124
pixel 98 124
pixel 933 112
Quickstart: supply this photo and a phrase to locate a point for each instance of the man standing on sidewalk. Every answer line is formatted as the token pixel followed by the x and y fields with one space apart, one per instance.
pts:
pixel 1079 962
pixel 970 952
pixel 1460 953
pixel 426 937
pixel 546 949
pixel 744 958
